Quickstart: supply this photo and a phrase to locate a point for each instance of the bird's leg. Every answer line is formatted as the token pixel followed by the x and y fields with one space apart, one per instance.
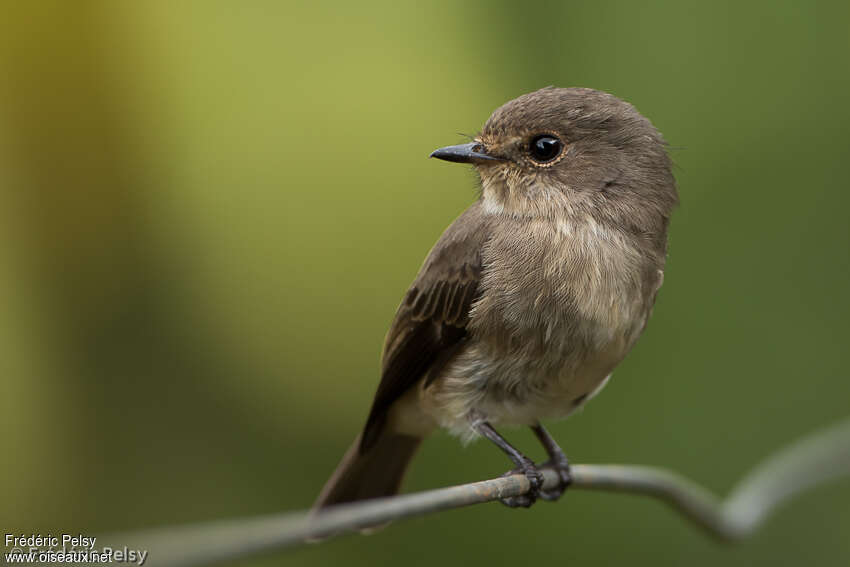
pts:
pixel 524 465
pixel 557 460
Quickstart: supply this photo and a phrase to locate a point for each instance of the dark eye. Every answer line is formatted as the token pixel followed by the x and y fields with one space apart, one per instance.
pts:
pixel 545 148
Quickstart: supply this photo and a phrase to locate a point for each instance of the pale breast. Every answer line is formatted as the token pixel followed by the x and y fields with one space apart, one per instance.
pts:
pixel 560 308
pixel 558 287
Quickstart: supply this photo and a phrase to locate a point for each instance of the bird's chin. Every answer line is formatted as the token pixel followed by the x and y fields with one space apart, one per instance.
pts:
pixel 494 188
pixel 493 207
pixel 508 192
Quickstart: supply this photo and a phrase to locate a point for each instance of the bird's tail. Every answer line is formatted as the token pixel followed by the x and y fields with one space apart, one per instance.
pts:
pixel 371 474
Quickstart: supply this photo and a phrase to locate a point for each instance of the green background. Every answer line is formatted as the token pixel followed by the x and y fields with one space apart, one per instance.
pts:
pixel 210 211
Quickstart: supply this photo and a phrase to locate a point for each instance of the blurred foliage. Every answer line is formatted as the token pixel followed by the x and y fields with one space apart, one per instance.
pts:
pixel 209 211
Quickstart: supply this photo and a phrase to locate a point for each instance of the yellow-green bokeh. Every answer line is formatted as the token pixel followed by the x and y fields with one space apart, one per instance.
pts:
pixel 209 211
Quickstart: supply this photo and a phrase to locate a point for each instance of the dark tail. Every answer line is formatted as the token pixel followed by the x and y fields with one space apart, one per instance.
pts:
pixel 376 472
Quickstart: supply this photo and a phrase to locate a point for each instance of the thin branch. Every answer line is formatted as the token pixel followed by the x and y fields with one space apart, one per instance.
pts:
pixel 802 465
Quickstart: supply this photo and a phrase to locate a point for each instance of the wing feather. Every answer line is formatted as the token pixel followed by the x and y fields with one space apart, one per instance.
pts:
pixel 430 325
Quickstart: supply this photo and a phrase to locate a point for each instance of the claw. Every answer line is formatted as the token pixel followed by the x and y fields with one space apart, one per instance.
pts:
pixel 535 479
pixel 562 467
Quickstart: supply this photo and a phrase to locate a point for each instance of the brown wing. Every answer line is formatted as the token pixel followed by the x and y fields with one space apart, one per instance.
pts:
pixel 430 324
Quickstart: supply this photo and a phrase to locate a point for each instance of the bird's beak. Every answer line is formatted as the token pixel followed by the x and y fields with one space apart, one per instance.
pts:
pixel 472 152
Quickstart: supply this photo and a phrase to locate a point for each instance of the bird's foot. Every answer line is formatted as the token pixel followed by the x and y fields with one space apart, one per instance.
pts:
pixel 561 466
pixel 535 479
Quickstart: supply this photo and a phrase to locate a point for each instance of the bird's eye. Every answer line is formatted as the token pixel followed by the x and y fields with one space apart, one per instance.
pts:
pixel 545 148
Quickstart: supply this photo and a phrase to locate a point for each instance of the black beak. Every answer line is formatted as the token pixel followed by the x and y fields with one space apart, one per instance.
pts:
pixel 472 152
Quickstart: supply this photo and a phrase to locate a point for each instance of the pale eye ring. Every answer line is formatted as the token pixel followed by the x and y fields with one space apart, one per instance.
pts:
pixel 545 148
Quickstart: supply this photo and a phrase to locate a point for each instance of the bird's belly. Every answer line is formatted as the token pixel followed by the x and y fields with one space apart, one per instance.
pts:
pixel 536 391
pixel 517 389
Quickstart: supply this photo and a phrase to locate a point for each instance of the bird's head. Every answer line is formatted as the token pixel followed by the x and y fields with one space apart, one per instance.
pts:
pixel 557 152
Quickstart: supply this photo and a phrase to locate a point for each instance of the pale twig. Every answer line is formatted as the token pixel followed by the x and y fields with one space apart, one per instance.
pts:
pixel 802 465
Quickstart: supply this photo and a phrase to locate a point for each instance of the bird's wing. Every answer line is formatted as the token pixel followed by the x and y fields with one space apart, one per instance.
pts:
pixel 430 324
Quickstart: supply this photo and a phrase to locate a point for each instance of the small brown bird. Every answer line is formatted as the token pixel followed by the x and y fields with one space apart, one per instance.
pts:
pixel 532 296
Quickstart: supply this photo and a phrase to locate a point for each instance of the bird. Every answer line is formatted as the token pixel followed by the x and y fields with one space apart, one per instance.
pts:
pixel 531 297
